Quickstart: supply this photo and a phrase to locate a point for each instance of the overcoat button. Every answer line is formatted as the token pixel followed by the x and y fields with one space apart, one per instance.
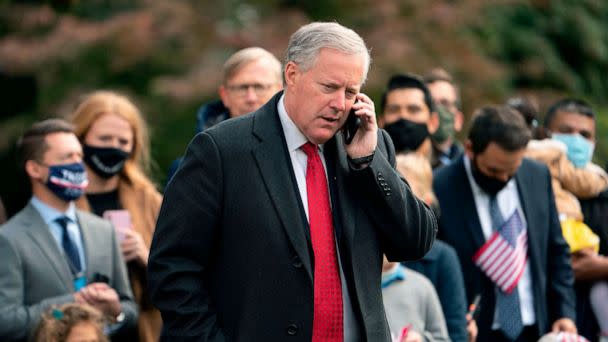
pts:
pixel 292 329
pixel 296 262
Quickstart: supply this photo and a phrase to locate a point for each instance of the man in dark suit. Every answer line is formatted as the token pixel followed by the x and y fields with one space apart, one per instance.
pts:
pixel 53 254
pixel 498 212
pixel 255 243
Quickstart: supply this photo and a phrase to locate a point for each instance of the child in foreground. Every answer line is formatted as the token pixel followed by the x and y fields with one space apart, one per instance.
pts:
pixel 71 323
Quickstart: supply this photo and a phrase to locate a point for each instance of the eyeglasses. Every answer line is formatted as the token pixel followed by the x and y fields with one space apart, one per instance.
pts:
pixel 243 89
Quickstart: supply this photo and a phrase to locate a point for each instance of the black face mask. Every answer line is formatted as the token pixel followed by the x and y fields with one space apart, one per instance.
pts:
pixel 489 185
pixel 407 135
pixel 105 161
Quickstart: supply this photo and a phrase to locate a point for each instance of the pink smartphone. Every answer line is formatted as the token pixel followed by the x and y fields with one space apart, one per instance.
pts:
pixel 403 334
pixel 121 219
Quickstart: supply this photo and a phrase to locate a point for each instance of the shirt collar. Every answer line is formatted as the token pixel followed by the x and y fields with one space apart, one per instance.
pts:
pixel 397 273
pixel 50 214
pixel 293 136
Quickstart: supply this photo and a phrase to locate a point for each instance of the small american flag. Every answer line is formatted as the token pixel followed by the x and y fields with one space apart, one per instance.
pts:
pixel 503 257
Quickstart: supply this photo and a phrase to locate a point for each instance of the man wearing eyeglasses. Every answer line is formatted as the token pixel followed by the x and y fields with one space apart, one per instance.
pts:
pixel 251 77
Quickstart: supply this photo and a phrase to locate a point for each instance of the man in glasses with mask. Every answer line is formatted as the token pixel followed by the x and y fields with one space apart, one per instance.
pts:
pixel 51 252
pixel 446 95
pixel 499 213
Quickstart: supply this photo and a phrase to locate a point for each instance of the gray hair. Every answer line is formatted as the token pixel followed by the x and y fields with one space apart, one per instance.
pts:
pixel 248 55
pixel 308 40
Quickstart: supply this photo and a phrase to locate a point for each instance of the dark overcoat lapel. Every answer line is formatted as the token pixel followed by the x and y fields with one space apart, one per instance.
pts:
pixel 469 209
pixel 276 171
pixel 529 202
pixel 272 159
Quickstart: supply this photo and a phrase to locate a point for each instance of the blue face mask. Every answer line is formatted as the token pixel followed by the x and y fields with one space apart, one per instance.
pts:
pixel 580 150
pixel 67 181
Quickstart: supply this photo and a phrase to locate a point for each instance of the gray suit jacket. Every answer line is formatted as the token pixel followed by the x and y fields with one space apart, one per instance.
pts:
pixel 34 274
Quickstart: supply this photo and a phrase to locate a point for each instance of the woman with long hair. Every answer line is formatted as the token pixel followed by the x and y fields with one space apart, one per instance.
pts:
pixel 116 150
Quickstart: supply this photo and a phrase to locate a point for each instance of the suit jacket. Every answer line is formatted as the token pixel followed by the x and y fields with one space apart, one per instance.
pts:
pixel 231 257
pixel 442 268
pixel 595 211
pixel 548 253
pixel 34 274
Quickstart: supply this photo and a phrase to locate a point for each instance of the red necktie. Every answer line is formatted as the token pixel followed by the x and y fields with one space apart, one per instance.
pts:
pixel 328 316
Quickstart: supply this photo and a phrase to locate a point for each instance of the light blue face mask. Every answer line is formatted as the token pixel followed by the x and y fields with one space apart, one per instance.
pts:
pixel 580 150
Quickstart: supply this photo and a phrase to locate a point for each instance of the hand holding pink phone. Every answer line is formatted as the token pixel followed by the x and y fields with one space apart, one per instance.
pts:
pixel 121 220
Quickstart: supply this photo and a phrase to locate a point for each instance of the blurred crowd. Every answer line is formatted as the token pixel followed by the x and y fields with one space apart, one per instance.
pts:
pixel 522 212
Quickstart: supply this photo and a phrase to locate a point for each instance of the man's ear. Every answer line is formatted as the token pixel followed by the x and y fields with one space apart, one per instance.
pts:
pixel 380 120
pixel 223 92
pixel 458 121
pixel 468 149
pixel 433 123
pixel 292 72
pixel 34 170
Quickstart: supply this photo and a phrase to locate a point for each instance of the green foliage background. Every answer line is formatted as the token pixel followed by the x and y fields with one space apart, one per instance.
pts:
pixel 167 55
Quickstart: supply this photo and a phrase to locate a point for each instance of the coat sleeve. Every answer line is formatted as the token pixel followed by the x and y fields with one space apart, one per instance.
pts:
pixel 583 182
pixel 560 278
pixel 184 239
pixel 450 289
pixel 406 226
pixel 16 318
pixel 120 283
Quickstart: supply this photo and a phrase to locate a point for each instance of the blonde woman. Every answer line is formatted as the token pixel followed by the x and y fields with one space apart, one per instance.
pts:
pixel 71 323
pixel 116 153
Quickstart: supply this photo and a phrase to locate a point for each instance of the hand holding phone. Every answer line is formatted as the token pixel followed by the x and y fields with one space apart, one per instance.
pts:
pixel 474 307
pixel 360 129
pixel 121 220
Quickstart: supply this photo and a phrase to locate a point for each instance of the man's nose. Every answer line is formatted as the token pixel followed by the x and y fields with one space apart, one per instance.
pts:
pixel 251 95
pixel 75 158
pixel 503 176
pixel 339 102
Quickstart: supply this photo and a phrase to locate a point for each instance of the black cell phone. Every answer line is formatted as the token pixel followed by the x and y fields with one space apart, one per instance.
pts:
pixel 100 278
pixel 474 307
pixel 351 126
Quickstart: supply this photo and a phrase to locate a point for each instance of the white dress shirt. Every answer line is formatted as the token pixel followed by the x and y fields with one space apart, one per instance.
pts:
pixel 295 139
pixel 508 202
